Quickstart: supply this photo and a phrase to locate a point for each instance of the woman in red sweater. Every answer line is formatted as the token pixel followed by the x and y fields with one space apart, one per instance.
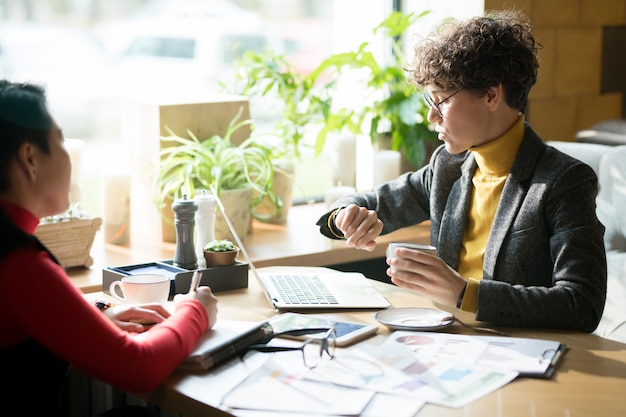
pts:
pixel 45 322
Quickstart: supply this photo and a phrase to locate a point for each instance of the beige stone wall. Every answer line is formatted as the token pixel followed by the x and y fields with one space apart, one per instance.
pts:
pixel 567 95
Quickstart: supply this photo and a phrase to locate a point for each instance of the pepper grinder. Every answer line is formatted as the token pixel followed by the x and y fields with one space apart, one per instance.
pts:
pixel 184 220
pixel 205 224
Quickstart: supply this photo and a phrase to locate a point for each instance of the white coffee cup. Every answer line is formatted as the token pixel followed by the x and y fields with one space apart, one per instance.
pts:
pixel 391 249
pixel 142 288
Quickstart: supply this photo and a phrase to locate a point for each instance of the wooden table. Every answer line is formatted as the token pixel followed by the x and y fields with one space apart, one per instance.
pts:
pixel 299 242
pixel 590 380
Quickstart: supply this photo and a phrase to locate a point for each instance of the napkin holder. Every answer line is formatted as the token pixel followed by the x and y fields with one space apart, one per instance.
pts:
pixel 219 278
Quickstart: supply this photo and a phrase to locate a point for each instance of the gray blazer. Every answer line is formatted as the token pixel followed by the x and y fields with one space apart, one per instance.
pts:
pixel 545 262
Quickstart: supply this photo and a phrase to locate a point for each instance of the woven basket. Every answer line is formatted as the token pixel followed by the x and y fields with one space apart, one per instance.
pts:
pixel 70 240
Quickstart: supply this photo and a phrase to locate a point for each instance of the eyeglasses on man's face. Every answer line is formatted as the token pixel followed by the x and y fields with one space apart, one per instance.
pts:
pixel 312 349
pixel 437 106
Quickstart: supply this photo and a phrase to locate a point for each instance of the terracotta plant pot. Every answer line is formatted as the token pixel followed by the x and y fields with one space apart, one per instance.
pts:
pixel 221 258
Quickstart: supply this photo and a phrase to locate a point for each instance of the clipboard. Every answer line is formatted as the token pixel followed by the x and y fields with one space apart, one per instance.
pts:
pixel 535 358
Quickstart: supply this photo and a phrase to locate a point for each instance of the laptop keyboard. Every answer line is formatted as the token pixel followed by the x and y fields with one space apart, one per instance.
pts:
pixel 295 289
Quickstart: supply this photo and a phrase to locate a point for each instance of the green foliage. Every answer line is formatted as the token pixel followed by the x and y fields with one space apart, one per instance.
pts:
pixel 392 106
pixel 220 246
pixel 73 212
pixel 300 101
pixel 395 106
pixel 193 164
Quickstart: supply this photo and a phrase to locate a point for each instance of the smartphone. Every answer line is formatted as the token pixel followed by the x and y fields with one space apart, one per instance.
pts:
pixel 347 332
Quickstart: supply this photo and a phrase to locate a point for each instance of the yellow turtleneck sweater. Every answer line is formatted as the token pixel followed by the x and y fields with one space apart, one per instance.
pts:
pixel 494 160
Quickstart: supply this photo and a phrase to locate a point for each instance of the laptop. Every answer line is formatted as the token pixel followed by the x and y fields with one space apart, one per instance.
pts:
pixel 301 288
pixel 293 288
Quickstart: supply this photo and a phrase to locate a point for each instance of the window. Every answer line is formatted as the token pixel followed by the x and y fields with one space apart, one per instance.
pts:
pixel 234 46
pixel 138 46
pixel 163 47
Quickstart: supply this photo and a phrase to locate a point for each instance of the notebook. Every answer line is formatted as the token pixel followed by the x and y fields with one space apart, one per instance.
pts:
pixel 301 288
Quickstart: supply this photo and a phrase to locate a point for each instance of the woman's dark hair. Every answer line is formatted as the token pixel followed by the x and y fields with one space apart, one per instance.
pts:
pixel 24 117
pixel 480 53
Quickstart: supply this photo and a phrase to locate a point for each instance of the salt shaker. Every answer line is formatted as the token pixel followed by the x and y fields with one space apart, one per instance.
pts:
pixel 205 224
pixel 184 220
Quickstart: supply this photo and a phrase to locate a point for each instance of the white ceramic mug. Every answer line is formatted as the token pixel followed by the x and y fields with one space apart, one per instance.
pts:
pixel 391 249
pixel 142 288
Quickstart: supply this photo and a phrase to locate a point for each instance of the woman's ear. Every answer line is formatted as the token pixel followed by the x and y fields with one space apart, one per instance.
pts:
pixel 27 160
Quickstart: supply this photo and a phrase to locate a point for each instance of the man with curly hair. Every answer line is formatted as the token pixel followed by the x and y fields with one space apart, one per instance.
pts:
pixel 513 219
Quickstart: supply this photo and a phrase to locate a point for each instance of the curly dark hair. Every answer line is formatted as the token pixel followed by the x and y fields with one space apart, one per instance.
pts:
pixel 479 53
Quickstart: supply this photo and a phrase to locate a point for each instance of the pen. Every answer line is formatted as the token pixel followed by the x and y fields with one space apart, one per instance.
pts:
pixel 103 305
pixel 195 280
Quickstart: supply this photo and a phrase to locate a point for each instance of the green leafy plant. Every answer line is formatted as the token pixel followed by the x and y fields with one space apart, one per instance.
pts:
pixel 73 212
pixel 392 107
pixel 191 164
pixel 301 102
pixel 223 245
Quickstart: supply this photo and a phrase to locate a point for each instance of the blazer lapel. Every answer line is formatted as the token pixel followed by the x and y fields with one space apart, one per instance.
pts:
pixel 510 201
pixel 513 194
pixel 455 214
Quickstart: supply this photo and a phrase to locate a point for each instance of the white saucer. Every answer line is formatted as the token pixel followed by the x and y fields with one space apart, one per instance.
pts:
pixel 415 318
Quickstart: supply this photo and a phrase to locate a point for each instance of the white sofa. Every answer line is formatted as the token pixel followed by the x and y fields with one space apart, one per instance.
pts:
pixel 609 162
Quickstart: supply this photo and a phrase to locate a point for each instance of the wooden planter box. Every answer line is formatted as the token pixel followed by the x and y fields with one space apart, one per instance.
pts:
pixel 70 240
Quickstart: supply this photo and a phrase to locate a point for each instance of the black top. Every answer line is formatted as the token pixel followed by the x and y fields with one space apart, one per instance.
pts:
pixel 34 377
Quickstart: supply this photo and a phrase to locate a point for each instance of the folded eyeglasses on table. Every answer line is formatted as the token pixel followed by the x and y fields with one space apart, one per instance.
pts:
pixel 312 349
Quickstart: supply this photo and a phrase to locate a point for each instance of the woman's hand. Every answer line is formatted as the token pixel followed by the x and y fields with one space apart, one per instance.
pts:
pixel 426 274
pixel 134 318
pixel 206 297
pixel 360 226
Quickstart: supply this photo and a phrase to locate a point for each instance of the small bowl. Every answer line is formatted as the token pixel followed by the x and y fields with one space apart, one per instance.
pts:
pixel 220 258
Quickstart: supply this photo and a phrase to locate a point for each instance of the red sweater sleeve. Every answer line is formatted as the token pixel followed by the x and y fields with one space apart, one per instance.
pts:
pixel 38 300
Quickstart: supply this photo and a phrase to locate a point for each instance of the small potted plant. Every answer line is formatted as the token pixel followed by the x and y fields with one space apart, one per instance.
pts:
pixel 220 253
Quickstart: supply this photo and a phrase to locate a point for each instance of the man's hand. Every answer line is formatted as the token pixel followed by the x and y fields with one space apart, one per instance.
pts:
pixel 426 274
pixel 360 226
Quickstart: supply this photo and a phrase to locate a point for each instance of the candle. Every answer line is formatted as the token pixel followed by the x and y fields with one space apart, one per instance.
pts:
pixel 386 166
pixel 333 194
pixel 75 150
pixel 116 207
pixel 343 159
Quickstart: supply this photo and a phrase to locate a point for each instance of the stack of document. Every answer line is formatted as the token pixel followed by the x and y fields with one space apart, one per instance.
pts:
pixel 441 368
pixel 395 378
